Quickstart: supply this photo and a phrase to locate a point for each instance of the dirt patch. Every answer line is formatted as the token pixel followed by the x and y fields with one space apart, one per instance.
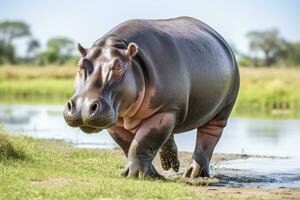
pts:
pixel 59 181
pixel 247 193
pixel 119 198
pixel 219 190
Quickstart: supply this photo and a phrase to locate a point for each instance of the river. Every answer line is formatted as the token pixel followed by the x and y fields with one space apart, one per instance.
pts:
pixel 279 138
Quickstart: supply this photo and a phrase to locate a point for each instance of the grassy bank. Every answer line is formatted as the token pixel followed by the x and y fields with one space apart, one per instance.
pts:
pixel 263 91
pixel 54 170
pixel 266 91
pixel 45 169
pixel 22 84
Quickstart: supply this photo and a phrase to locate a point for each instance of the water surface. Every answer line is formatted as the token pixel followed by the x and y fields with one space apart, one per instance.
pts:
pixel 266 137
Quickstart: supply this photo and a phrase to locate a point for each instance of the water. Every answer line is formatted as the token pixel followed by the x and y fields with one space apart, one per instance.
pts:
pixel 260 172
pixel 279 138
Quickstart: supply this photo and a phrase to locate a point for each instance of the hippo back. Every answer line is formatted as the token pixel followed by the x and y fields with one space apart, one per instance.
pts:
pixel 188 65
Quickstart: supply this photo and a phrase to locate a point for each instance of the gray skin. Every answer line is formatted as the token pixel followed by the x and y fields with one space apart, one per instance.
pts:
pixel 146 80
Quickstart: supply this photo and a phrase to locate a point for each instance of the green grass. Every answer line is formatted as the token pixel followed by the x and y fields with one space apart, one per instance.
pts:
pixel 48 169
pixel 54 170
pixel 264 91
pixel 36 84
pixel 25 72
pixel 38 88
pixel 8 150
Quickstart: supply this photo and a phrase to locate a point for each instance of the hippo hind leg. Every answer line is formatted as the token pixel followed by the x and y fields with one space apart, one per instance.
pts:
pixel 169 155
pixel 208 136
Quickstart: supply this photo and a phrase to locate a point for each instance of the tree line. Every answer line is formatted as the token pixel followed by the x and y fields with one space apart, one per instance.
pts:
pixel 267 48
pixel 59 50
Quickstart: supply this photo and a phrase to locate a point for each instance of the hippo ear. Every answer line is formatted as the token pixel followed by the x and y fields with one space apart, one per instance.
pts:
pixel 132 50
pixel 81 50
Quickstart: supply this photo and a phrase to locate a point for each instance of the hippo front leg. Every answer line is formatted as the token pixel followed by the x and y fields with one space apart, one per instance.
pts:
pixel 122 137
pixel 146 143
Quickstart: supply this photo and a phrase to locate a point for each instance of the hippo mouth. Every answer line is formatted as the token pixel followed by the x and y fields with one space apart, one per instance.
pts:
pixel 89 130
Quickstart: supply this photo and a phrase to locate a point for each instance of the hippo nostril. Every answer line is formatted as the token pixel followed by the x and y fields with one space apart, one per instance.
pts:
pixel 70 107
pixel 94 107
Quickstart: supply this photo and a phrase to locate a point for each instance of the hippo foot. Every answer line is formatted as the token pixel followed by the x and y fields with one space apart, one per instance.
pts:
pixel 169 155
pixel 133 169
pixel 197 170
pixel 169 160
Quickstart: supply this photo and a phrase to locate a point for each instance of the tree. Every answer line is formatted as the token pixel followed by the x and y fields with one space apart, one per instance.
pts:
pixel 10 30
pixel 268 42
pixel 59 49
pixel 6 53
pixel 33 46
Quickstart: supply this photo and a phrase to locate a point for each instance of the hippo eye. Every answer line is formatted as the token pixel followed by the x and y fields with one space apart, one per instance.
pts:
pixel 82 74
pixel 81 70
pixel 117 66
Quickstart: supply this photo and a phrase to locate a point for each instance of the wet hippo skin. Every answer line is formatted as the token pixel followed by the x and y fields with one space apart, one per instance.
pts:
pixel 146 80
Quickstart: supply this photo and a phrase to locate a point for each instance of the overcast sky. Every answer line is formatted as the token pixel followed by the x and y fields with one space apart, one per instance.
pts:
pixel 85 21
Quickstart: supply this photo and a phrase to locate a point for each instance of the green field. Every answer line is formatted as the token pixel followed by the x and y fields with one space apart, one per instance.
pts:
pixel 263 92
pixel 269 92
pixel 44 169
pixel 23 84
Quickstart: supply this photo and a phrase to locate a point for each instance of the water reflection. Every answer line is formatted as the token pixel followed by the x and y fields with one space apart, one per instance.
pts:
pixel 242 135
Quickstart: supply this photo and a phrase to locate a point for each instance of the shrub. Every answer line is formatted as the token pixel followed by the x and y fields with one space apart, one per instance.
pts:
pixel 8 150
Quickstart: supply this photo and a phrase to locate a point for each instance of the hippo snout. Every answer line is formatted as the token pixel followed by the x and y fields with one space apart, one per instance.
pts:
pixel 90 115
pixel 72 114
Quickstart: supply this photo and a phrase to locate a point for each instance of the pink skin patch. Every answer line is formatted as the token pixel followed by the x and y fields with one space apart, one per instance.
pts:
pixel 140 110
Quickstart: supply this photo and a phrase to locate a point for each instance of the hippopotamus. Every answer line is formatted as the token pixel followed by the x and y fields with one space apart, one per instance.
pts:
pixel 146 80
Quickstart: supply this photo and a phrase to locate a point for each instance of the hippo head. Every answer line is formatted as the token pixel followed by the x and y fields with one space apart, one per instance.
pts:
pixel 104 87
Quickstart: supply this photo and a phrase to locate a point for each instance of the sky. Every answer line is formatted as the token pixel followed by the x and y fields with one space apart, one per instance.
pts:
pixel 85 21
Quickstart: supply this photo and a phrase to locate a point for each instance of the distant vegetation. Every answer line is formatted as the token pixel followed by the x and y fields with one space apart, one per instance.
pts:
pixel 59 50
pixel 269 92
pixel 267 48
pixel 48 84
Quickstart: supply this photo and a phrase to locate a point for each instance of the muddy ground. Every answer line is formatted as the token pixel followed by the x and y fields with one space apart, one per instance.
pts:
pixel 226 184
